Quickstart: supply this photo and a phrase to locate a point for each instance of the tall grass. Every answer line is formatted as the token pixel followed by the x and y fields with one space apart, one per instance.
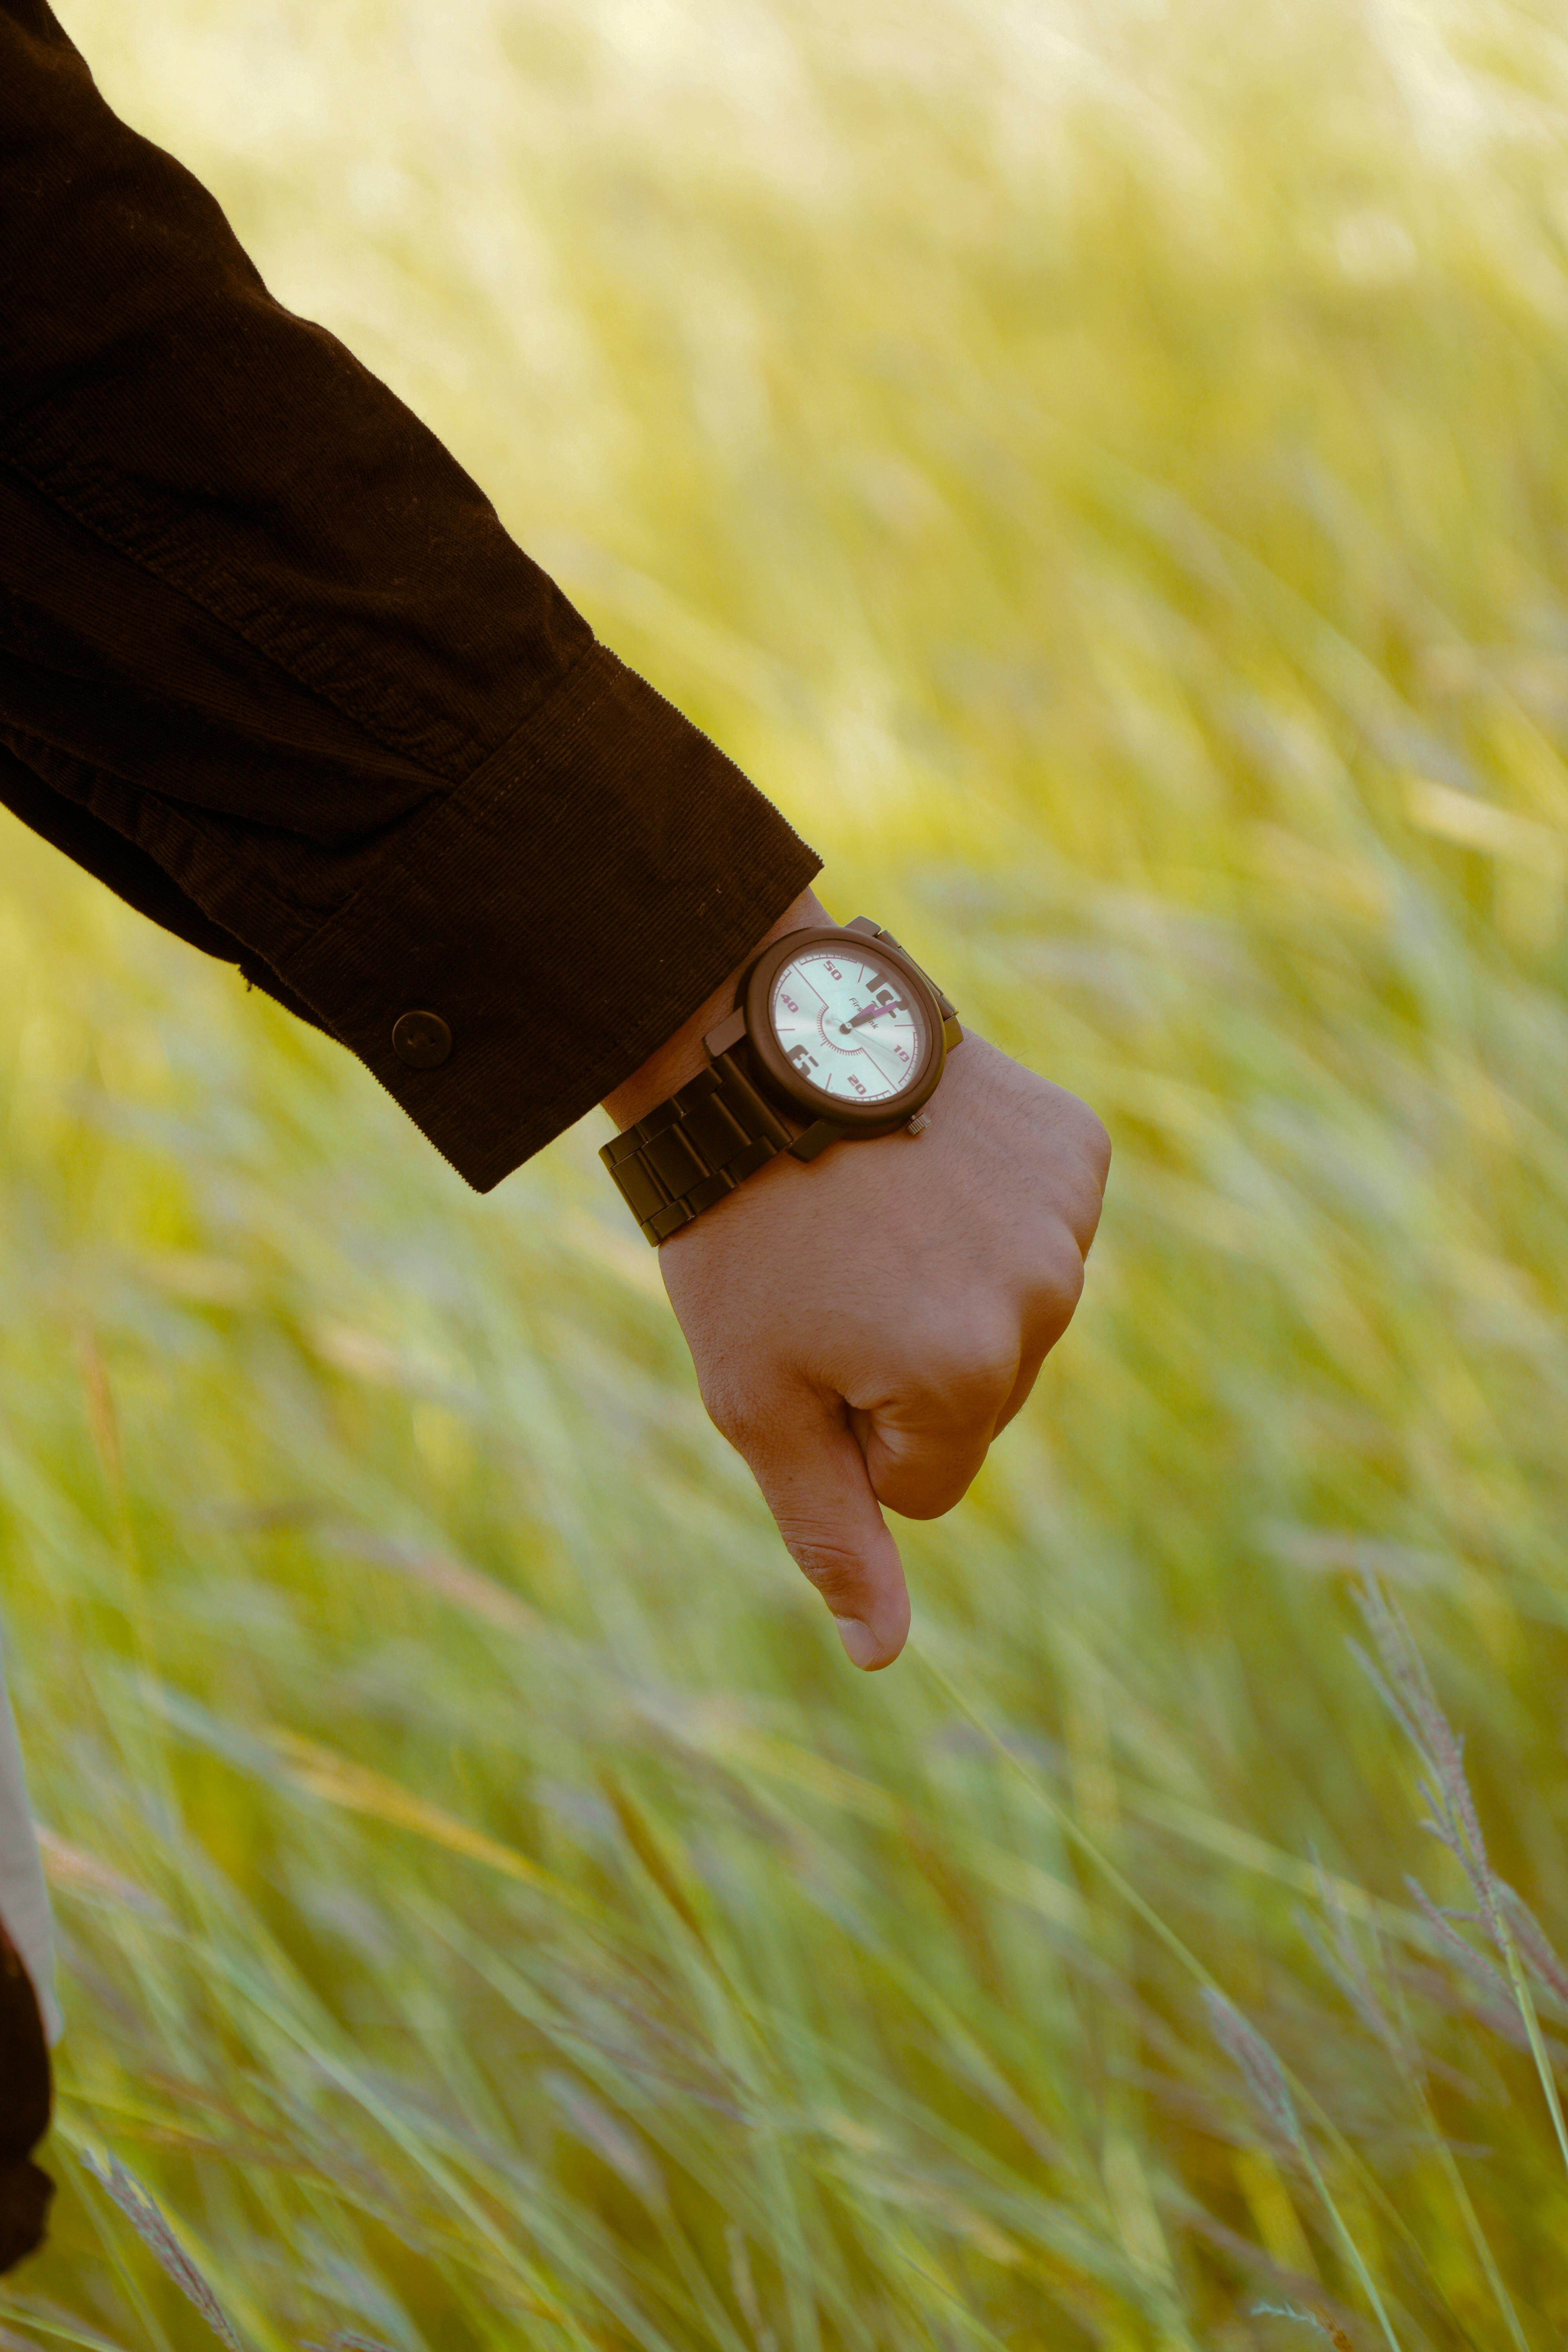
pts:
pixel 1104 472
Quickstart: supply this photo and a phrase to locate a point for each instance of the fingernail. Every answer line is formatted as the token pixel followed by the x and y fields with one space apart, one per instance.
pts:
pixel 858 1640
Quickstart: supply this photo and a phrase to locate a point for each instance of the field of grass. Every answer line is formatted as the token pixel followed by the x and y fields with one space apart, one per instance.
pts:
pixel 1104 470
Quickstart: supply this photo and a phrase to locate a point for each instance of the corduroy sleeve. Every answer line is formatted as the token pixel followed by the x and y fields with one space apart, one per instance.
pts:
pixel 270 666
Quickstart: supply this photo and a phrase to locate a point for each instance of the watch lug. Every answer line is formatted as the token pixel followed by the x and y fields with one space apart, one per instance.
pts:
pixel 864 923
pixel 951 1034
pixel 946 1002
pixel 729 1031
pixel 815 1139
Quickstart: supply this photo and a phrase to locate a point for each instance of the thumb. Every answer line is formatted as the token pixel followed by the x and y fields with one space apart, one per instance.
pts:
pixel 814 1479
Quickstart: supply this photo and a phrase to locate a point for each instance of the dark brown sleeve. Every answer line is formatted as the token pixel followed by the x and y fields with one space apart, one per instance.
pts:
pixel 26 2098
pixel 270 665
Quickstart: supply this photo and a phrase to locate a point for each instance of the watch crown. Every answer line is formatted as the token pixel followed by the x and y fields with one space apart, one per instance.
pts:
pixel 919 1124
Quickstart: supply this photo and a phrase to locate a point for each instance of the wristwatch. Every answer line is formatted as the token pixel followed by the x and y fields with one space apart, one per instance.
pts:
pixel 836 1035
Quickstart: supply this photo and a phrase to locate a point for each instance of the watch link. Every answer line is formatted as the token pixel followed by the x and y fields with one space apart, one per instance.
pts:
pixel 836 1035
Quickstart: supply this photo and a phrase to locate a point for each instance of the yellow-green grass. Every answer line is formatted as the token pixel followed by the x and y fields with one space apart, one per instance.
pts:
pixel 1105 471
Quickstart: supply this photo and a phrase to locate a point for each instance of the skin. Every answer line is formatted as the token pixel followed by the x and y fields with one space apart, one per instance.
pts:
pixel 862 1326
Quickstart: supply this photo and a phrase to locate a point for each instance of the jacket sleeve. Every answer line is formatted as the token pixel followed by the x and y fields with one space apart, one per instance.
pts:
pixel 271 665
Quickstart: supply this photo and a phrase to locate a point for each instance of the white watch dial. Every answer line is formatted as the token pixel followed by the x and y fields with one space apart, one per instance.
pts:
pixel 849 1025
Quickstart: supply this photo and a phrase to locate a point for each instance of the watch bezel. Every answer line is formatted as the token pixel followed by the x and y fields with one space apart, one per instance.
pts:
pixel 780 1073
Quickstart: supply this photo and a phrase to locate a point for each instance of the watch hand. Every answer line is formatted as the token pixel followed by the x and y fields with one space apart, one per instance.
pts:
pixel 867 1012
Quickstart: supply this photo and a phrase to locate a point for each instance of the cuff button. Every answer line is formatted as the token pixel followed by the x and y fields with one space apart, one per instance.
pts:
pixel 422 1040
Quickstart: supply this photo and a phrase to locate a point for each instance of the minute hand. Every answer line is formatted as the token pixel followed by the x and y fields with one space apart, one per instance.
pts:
pixel 869 1013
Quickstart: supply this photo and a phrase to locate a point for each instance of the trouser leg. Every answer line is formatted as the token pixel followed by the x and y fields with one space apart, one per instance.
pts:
pixel 28 2019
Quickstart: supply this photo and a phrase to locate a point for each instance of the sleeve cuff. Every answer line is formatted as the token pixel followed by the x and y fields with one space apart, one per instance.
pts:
pixel 561 913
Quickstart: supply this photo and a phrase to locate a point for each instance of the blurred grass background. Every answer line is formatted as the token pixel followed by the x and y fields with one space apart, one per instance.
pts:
pixel 1102 470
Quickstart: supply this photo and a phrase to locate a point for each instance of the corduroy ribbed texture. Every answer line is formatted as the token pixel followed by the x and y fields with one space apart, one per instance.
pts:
pixel 270 666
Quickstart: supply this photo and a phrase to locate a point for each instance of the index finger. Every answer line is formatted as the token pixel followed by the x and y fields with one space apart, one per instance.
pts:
pixel 804 1456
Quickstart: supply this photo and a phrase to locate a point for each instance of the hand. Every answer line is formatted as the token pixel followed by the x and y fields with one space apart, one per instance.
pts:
pixel 862 1326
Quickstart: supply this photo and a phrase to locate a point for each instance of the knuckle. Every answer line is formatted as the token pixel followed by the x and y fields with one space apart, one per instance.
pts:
pixel 1056 1281
pixel 831 1567
pixel 1062 1269
pixel 1080 1122
pixel 1082 1188
pixel 1096 1140
pixel 949 1398
pixel 971 1368
pixel 733 1406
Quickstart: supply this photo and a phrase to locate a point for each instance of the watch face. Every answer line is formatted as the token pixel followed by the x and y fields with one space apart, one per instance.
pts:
pixel 849 1025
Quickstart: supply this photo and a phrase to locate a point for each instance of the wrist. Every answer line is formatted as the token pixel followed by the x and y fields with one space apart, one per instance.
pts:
pixel 682 1056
